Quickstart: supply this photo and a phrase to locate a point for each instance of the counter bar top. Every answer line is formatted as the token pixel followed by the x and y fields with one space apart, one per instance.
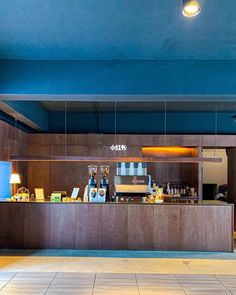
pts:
pixel 199 203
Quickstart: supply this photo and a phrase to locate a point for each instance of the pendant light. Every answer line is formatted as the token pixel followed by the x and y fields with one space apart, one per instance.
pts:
pixel 190 8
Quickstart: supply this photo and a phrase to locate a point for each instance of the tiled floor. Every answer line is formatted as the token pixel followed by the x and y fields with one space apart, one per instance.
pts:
pixel 114 283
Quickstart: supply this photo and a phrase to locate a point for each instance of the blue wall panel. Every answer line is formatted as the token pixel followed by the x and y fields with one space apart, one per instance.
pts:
pixel 141 122
pixel 127 77
pixel 5 173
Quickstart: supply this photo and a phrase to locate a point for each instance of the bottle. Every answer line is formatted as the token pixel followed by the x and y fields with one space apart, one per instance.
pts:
pixel 168 188
pixel 131 168
pixel 119 168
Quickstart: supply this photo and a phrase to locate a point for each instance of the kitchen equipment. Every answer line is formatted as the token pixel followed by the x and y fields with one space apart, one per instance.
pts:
pixel 104 181
pixel 92 183
pixel 132 187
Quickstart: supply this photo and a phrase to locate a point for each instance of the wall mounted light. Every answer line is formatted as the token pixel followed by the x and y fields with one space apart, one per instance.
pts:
pixel 190 8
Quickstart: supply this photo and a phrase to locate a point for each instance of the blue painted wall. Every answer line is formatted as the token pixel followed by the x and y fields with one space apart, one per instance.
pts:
pixel 149 123
pixel 207 78
pixel 32 110
pixel 5 173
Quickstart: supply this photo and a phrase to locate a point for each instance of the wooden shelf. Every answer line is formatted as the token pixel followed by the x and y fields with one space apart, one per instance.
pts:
pixel 113 159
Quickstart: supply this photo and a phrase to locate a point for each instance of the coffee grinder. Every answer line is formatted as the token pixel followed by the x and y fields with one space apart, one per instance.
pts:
pixel 104 180
pixel 92 183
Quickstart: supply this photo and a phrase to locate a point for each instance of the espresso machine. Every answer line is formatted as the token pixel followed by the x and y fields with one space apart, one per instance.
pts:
pixel 104 180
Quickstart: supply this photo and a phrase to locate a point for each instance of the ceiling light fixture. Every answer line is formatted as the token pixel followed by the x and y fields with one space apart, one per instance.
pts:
pixel 190 8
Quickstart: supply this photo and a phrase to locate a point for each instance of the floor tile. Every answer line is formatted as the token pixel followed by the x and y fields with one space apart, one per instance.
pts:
pixel 3 283
pixel 29 275
pixel 158 282
pixel 29 281
pixel 6 275
pixel 212 292
pixel 22 292
pixel 73 281
pixel 156 276
pixel 154 290
pixel 113 282
pixel 13 287
pixel 116 290
pixel 78 289
pixel 75 275
pixel 116 279
pixel 116 275
pixel 197 277
pixel 68 293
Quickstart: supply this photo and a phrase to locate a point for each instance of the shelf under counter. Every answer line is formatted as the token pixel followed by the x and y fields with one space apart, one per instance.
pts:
pixel 206 226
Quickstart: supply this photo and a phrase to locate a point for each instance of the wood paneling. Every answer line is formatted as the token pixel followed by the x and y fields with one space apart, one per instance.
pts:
pixel 219 228
pixel 193 229
pixel 36 226
pixel 231 153
pixel 140 227
pixel 167 227
pixel 11 225
pixel 114 226
pixel 88 226
pixel 62 226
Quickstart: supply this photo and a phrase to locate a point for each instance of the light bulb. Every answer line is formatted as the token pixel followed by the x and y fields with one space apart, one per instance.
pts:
pixel 191 8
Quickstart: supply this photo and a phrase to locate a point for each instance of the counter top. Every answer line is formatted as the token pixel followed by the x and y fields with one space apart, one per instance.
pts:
pixel 205 202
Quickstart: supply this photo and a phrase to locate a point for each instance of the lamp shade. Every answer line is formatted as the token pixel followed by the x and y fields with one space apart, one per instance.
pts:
pixel 191 8
pixel 15 178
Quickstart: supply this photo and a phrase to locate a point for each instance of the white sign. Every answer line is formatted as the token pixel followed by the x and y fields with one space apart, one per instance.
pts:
pixel 118 147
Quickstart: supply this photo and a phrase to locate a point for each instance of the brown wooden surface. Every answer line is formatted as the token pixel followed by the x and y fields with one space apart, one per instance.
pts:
pixel 88 226
pixel 11 226
pixel 36 226
pixel 193 229
pixel 219 228
pixel 231 153
pixel 62 226
pixel 140 227
pixel 167 227
pixel 114 226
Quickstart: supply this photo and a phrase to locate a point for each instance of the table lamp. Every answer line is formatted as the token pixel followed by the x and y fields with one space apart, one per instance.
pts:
pixel 14 180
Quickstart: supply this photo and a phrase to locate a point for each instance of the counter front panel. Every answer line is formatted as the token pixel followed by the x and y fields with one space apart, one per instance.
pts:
pixel 198 227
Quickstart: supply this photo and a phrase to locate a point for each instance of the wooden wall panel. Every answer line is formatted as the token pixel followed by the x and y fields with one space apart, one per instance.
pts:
pixel 11 226
pixel 193 229
pixel 114 226
pixel 14 142
pixel 88 226
pixel 167 227
pixel 62 226
pixel 96 226
pixel 36 226
pixel 219 228
pixel 231 153
pixel 140 227
pixel 39 172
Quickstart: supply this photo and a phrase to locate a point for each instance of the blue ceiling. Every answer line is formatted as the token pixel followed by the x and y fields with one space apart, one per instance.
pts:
pixel 115 29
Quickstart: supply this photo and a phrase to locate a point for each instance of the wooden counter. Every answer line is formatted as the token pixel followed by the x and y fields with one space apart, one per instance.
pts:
pixel 188 227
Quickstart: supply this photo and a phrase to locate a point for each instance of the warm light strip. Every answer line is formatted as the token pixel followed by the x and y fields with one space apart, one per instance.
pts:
pixel 113 159
pixel 169 150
